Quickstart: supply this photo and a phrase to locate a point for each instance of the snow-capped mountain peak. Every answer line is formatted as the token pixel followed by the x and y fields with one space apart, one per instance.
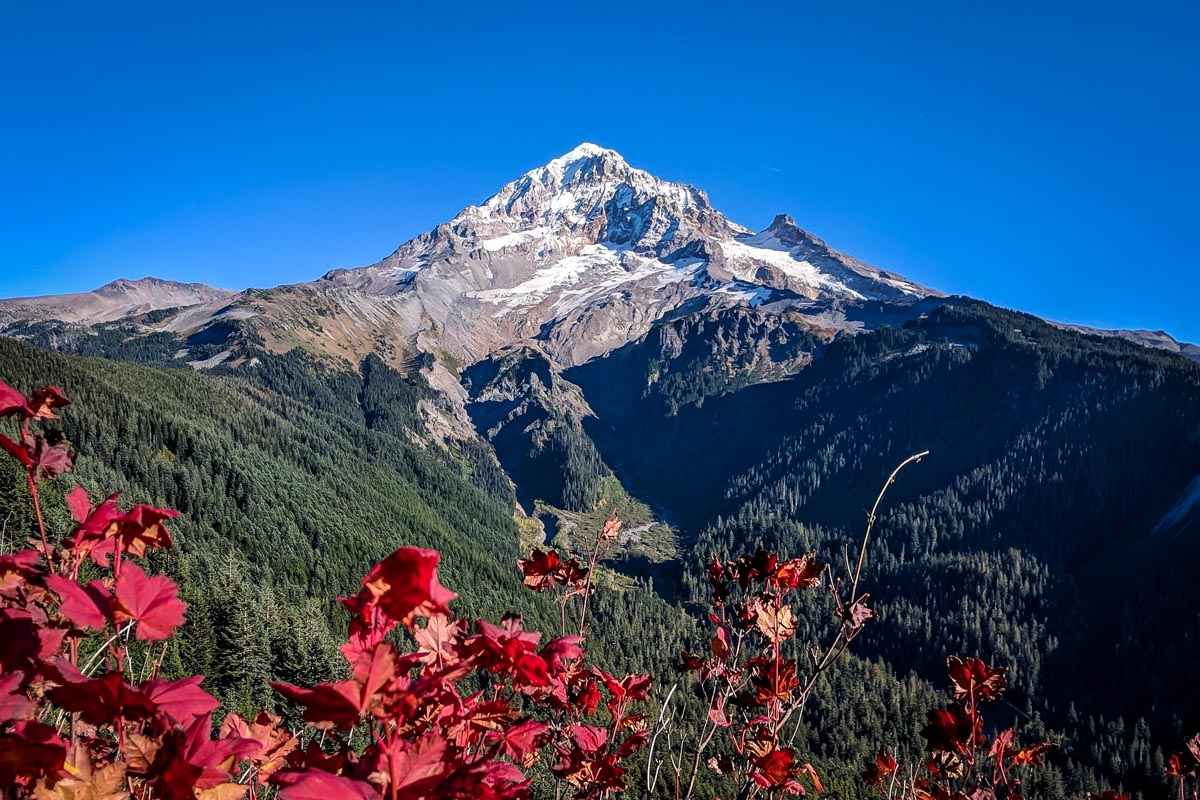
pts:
pixel 593 195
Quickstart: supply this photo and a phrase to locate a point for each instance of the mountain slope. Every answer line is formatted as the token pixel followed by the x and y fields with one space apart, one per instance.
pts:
pixel 112 301
pixel 593 336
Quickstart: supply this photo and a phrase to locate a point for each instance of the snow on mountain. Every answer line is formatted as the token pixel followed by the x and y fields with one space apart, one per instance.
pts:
pixel 581 255
pixel 587 251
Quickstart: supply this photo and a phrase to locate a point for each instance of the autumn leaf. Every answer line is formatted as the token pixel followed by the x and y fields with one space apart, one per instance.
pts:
pixel 29 750
pixel 182 700
pixel 314 785
pixel 405 585
pixel 14 705
pixel 777 624
pixel 48 458
pixel 85 781
pixel 151 601
pixel 973 678
pixel 86 607
pixel 12 402
pixel 437 639
pixel 883 766
pixel 42 402
pixel 79 503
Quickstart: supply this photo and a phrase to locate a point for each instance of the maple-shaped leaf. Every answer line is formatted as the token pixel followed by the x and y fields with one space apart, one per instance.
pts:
pixel 49 458
pixel 24 645
pixel 776 624
pixel 972 678
pixel 42 402
pixel 101 700
pixel 86 607
pixel 373 671
pixel 84 781
pixel 797 573
pixel 315 785
pixel 631 687
pixel 182 700
pixel 142 528
pixel 883 766
pixel 405 585
pixel 612 527
pixel 12 402
pixel 79 503
pixel 857 613
pixel 191 761
pixel 540 569
pixel 326 705
pixel 773 769
pixel 14 704
pixel 522 741
pixel 589 738
pixel 140 751
pixel 951 730
pixel 558 652
pixel 17 568
pixel 151 601
pixel 436 641
pixel 29 750
pixel 95 536
pixel 418 770
pixel 275 742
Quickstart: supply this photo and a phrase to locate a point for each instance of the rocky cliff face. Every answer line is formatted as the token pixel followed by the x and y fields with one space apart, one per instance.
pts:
pixel 580 257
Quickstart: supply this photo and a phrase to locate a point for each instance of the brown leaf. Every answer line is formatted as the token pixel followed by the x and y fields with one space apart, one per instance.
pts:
pixel 777 624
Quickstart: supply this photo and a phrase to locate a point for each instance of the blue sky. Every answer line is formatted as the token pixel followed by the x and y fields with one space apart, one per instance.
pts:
pixel 1041 156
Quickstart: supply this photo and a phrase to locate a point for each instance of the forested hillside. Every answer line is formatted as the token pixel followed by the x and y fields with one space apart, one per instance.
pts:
pixel 1048 527
pixel 1046 531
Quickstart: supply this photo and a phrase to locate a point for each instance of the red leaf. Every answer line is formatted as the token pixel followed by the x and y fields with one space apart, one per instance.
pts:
pixel 101 700
pixel 589 738
pixel 152 601
pixel 79 503
pixel 405 585
pixel 521 741
pixel 326 705
pixel 86 607
pixel 52 459
pixel 884 766
pixel 17 451
pixel 12 402
pixel 142 528
pixel 30 750
pixel 18 568
pixel 183 700
pixel 42 402
pixel 973 678
pixel 560 650
pixel 14 704
pixel 322 786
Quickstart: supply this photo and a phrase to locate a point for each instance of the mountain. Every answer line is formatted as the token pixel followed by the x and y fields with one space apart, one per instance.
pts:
pixel 593 337
pixel 113 301
pixel 580 255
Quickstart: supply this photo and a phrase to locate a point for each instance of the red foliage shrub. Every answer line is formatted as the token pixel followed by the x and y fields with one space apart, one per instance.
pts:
pixel 76 724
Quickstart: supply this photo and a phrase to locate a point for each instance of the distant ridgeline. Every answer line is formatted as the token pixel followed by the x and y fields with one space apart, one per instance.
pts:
pixel 593 337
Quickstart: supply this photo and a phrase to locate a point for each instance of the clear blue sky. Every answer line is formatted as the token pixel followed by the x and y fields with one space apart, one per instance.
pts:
pixel 1038 155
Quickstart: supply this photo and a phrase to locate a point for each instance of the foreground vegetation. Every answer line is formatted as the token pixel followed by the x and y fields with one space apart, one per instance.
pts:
pixel 482 710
